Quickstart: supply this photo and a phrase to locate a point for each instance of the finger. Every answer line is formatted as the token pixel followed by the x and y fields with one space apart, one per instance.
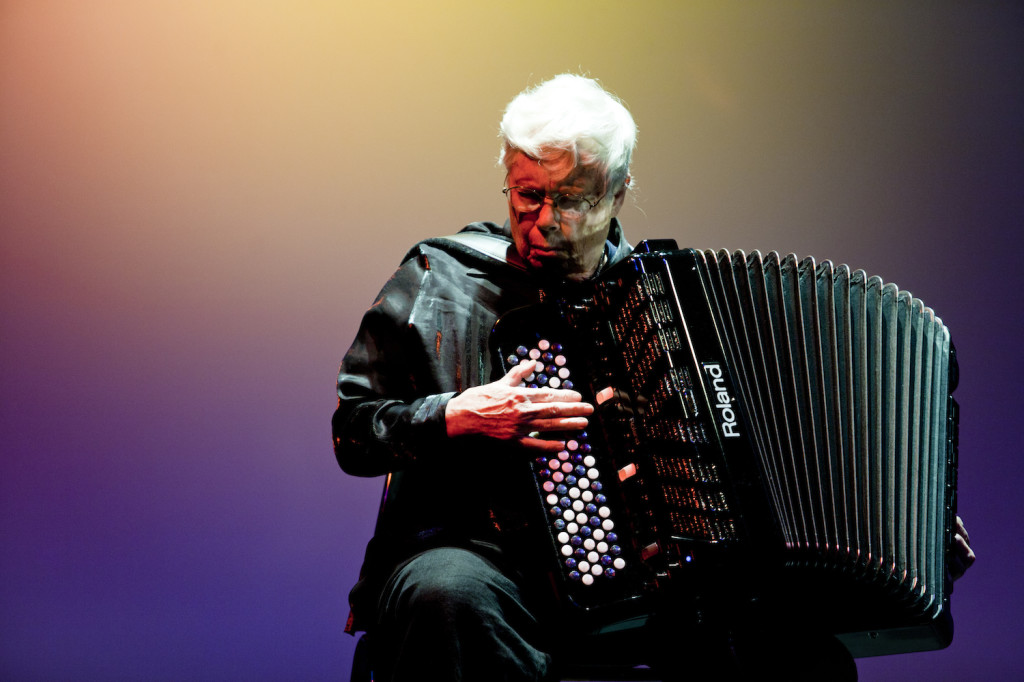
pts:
pixel 963 550
pixel 542 444
pixel 550 395
pixel 962 557
pixel 962 530
pixel 559 424
pixel 534 411
pixel 518 376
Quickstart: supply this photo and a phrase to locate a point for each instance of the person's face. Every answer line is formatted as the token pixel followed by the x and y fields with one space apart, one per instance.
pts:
pixel 553 243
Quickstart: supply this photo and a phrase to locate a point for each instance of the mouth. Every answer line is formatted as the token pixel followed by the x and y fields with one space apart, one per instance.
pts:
pixel 539 254
pixel 547 250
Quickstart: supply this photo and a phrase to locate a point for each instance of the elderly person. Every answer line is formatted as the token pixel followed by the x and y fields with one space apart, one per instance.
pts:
pixel 443 584
pixel 451 584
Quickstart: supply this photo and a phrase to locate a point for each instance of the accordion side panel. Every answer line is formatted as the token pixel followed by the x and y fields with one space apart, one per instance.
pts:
pixel 829 366
pixel 782 463
pixel 745 368
pixel 941 508
pixel 736 342
pixel 929 432
pixel 704 351
pixel 876 458
pixel 861 439
pixel 902 453
pixel 748 274
pixel 819 483
pixel 916 448
pixel 803 469
pixel 890 464
pixel 768 325
pixel 774 477
pixel 846 412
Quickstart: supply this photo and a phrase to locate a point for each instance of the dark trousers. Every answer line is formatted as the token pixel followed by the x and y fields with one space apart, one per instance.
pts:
pixel 450 614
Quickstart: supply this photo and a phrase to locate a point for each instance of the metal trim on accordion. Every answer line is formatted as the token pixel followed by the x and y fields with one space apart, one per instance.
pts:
pixel 774 441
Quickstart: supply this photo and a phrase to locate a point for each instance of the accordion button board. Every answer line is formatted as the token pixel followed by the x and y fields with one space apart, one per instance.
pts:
pixel 771 436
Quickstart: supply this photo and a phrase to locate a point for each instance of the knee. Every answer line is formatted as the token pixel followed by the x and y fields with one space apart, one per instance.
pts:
pixel 447 583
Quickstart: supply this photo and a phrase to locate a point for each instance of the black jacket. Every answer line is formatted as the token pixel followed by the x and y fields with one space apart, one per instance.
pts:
pixel 425 338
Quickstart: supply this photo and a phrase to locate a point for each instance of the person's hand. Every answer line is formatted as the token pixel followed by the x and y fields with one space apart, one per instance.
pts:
pixel 962 556
pixel 505 410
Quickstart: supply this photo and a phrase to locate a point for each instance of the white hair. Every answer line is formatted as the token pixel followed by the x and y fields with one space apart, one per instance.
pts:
pixel 570 116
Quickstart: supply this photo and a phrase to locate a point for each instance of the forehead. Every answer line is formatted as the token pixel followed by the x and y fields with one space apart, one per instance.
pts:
pixel 556 173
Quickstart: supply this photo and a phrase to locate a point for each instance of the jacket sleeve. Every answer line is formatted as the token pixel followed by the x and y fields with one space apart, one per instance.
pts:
pixel 390 414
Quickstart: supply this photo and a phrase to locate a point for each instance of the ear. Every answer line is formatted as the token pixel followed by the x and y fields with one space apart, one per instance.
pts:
pixel 620 196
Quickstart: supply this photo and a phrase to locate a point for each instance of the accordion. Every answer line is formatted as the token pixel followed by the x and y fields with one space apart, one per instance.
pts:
pixel 770 436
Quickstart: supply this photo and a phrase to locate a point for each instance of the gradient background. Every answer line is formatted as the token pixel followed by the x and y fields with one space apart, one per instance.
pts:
pixel 198 200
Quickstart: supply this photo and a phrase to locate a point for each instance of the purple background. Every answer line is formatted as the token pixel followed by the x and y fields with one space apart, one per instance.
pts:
pixel 197 201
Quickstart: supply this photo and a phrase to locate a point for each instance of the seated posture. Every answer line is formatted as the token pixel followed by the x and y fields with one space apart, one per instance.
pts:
pixel 453 583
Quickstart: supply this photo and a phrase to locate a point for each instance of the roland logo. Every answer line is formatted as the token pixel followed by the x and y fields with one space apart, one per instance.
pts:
pixel 722 400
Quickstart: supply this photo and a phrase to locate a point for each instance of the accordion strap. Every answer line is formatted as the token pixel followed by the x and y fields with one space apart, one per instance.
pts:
pixel 490 246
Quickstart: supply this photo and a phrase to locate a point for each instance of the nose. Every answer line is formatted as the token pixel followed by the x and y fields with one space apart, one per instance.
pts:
pixel 546 216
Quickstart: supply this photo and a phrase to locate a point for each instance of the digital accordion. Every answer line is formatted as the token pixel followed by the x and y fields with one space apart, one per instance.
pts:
pixel 771 436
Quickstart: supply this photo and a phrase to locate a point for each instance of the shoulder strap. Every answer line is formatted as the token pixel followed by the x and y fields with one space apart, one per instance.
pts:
pixel 491 246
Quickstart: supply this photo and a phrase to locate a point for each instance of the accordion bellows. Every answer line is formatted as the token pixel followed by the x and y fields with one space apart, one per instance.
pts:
pixel 772 436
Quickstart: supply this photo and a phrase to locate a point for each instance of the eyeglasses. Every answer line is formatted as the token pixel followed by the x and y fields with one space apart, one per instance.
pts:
pixel 569 206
